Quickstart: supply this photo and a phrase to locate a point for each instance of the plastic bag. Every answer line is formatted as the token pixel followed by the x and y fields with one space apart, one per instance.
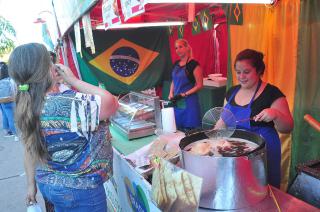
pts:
pixel 34 208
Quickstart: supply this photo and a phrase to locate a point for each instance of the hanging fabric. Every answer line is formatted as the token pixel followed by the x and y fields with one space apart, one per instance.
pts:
pixel 87 30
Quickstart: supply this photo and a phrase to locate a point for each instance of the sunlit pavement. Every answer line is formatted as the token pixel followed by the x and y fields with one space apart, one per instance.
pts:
pixel 12 176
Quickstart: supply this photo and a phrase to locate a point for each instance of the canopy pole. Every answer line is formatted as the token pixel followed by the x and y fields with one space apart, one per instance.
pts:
pixel 191 12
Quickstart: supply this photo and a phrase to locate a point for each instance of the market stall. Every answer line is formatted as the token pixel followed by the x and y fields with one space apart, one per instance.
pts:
pixel 246 28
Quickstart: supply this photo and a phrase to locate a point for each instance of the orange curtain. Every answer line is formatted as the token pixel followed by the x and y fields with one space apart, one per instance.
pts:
pixel 272 30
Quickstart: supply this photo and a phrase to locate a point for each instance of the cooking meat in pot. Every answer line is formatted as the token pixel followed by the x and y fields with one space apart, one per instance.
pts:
pixel 230 147
pixel 202 148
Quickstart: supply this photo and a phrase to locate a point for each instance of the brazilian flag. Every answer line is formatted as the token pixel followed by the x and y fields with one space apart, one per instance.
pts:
pixel 196 26
pixel 206 19
pixel 180 31
pixel 170 30
pixel 127 60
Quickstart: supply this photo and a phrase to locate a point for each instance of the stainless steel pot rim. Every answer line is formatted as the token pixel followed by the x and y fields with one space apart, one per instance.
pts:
pixel 258 139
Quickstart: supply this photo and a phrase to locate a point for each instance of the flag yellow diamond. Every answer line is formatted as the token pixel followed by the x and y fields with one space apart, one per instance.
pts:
pixel 124 60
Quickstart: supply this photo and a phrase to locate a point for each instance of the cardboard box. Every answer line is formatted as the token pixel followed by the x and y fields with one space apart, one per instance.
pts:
pixel 215 82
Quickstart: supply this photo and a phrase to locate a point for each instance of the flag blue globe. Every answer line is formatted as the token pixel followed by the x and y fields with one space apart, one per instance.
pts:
pixel 125 61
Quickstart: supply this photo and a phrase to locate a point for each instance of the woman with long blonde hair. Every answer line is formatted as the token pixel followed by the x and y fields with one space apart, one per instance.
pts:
pixel 187 80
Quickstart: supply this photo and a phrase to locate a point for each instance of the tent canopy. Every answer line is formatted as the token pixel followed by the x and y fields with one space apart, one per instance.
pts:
pixel 159 13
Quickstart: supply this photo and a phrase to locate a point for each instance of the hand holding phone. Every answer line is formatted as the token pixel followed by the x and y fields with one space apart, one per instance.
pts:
pixel 65 73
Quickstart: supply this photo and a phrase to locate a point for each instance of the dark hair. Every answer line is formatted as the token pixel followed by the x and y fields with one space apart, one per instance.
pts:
pixel 30 64
pixel 255 58
pixel 53 57
pixel 3 70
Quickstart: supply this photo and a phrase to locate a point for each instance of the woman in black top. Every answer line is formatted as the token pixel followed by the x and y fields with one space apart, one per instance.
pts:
pixel 187 80
pixel 262 107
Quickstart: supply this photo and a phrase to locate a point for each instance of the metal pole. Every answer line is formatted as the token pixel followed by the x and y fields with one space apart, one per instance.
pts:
pixel 60 39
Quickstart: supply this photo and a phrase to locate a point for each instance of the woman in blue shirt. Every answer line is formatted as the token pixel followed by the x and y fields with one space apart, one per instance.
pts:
pixel 7 105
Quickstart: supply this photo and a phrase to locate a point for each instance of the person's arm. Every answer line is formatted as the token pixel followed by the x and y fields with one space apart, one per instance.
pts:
pixel 109 103
pixel 197 73
pixel 171 94
pixel 29 166
pixel 279 113
pixel 13 87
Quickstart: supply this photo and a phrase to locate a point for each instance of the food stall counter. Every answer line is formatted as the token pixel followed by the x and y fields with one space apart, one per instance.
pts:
pixel 128 190
pixel 125 146
pixel 276 200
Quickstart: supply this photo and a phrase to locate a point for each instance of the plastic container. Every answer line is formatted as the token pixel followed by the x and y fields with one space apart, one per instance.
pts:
pixel 34 208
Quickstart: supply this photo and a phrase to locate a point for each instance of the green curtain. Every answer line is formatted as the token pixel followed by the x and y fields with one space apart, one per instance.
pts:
pixel 227 10
pixel 306 140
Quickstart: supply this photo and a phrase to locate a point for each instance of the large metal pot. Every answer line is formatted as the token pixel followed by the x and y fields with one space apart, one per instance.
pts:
pixel 228 182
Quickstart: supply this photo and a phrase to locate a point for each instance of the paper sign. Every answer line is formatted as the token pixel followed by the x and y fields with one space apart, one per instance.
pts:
pixel 131 8
pixel 110 13
pixel 133 190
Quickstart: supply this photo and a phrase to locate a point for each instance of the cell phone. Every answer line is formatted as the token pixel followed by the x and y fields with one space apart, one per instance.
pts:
pixel 58 69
